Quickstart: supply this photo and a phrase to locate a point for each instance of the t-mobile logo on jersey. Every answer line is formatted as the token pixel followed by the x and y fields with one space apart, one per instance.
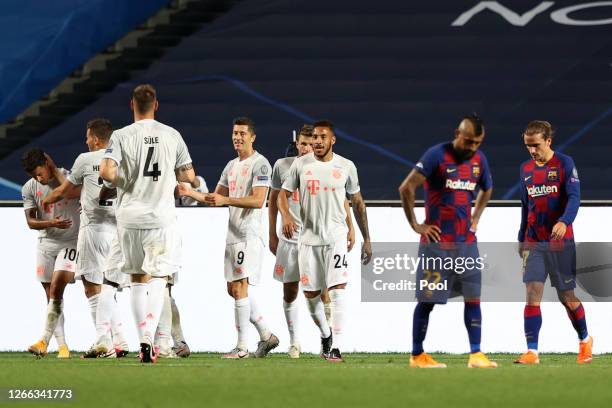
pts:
pixel 313 186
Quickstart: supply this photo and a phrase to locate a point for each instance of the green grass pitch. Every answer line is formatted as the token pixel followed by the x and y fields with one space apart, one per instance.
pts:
pixel 364 380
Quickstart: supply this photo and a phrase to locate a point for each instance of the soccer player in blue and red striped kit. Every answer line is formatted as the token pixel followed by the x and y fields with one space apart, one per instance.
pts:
pixel 550 197
pixel 453 175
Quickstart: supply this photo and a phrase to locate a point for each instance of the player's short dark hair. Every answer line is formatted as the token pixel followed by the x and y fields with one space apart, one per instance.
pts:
pixel 476 121
pixel 33 158
pixel 244 121
pixel 102 128
pixel 144 97
pixel 324 123
pixel 306 130
pixel 540 126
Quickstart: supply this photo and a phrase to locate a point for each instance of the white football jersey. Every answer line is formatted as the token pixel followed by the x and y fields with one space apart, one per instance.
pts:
pixel 147 153
pixel 86 172
pixel 240 177
pixel 279 175
pixel 322 187
pixel 33 194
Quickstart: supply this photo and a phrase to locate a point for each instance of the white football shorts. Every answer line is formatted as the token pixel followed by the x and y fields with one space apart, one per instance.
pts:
pixel 152 251
pixel 286 267
pixel 243 260
pixel 94 246
pixel 323 266
pixel 55 256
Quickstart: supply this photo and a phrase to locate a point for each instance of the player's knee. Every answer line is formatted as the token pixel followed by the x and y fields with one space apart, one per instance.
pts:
pixel 290 292
pixel 238 289
pixel 309 294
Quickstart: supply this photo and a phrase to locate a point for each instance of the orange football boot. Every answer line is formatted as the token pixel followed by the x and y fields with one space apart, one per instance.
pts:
pixel 424 360
pixel 585 355
pixel 528 358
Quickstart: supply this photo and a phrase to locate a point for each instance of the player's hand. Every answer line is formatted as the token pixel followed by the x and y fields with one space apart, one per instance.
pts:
pixel 558 231
pixel 289 227
pixel 350 238
pixel 474 224
pixel 46 205
pixel 521 248
pixel 366 252
pixel 60 223
pixel 182 190
pixel 430 232
pixel 273 244
pixel 216 200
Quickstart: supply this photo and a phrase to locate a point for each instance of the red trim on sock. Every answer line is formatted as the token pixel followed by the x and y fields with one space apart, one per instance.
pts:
pixel 472 302
pixel 532 311
pixel 577 314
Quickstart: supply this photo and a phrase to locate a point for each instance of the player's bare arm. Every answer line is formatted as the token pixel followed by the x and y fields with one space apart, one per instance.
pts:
pixel 480 204
pixel 66 190
pixel 36 224
pixel 407 192
pixel 289 225
pixel 272 215
pixel 109 171
pixel 349 222
pixel 183 191
pixel 186 174
pixel 107 193
pixel 257 199
pixel 361 216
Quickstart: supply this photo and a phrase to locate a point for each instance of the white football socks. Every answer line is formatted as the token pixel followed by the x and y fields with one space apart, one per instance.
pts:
pixel 315 306
pixel 139 305
pixel 164 328
pixel 93 307
pixel 291 316
pixel 327 308
pixel 338 309
pixel 242 310
pixel 106 303
pixel 59 331
pixel 258 321
pixel 177 331
pixel 117 326
pixel 155 303
pixel 54 311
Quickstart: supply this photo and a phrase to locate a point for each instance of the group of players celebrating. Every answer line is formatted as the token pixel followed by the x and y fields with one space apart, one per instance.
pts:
pixel 127 234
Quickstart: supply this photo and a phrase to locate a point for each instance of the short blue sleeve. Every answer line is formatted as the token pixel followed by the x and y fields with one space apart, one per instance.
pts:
pixel 486 180
pixel 429 162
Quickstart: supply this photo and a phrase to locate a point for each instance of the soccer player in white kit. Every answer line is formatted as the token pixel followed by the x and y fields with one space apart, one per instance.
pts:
pixel 243 186
pixel 144 161
pixel 286 268
pixel 169 329
pixel 98 230
pixel 323 180
pixel 56 255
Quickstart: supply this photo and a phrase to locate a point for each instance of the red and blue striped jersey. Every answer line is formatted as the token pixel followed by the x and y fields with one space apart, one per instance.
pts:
pixel 549 193
pixel 450 188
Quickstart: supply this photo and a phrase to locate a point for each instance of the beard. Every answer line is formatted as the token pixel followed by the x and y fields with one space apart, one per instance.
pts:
pixel 464 154
pixel 325 151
